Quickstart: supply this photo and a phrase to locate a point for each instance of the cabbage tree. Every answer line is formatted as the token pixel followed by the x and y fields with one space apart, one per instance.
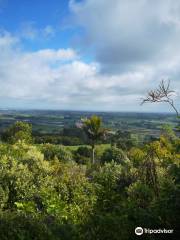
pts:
pixel 93 129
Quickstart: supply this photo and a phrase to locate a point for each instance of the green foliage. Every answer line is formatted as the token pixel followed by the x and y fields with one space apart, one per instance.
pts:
pixel 168 132
pixel 115 154
pixel 56 151
pixel 124 140
pixel 140 194
pixel 136 156
pixel 19 131
pixel 93 129
pixel 51 192
pixel 18 226
pixel 56 139
pixel 82 155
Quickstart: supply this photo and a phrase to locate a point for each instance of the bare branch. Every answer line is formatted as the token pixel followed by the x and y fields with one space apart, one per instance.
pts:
pixel 161 94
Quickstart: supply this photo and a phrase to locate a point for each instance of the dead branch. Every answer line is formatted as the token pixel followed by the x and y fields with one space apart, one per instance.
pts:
pixel 161 94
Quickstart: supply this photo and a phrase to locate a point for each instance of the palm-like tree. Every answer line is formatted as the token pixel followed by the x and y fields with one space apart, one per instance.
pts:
pixel 93 129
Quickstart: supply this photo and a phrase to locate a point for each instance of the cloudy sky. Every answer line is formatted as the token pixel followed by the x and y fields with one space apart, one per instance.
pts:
pixel 87 54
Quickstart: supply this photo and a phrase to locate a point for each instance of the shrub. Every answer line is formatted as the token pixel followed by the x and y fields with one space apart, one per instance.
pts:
pixel 19 131
pixel 56 151
pixel 115 154
pixel 82 155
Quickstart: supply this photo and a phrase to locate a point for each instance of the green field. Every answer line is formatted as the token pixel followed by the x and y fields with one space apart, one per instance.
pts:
pixel 145 125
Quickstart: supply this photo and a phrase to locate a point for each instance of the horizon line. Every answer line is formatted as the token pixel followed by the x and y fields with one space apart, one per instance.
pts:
pixel 82 110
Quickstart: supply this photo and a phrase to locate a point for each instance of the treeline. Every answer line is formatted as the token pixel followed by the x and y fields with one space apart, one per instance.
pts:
pixel 70 136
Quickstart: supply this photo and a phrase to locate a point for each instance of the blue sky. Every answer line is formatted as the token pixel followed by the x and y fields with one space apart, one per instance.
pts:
pixel 17 15
pixel 88 54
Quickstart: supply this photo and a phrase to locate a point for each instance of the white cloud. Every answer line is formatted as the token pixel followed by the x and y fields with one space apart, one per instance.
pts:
pixel 136 43
pixel 54 76
pixel 51 55
pixel 126 33
pixel 60 79
pixel 28 74
pixel 7 40
pixel 30 31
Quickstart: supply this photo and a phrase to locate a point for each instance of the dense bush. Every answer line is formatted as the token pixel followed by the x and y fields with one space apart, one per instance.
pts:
pixel 82 155
pixel 58 139
pixel 114 154
pixel 51 152
pixel 49 192
pixel 18 226
pixel 18 132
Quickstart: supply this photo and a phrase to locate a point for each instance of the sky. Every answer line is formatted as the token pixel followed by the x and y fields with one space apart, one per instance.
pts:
pixel 87 54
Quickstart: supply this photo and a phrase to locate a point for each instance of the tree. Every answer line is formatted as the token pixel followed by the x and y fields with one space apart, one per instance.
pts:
pixel 124 140
pixel 149 170
pixel 114 154
pixel 82 155
pixel 161 94
pixel 19 131
pixel 93 129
